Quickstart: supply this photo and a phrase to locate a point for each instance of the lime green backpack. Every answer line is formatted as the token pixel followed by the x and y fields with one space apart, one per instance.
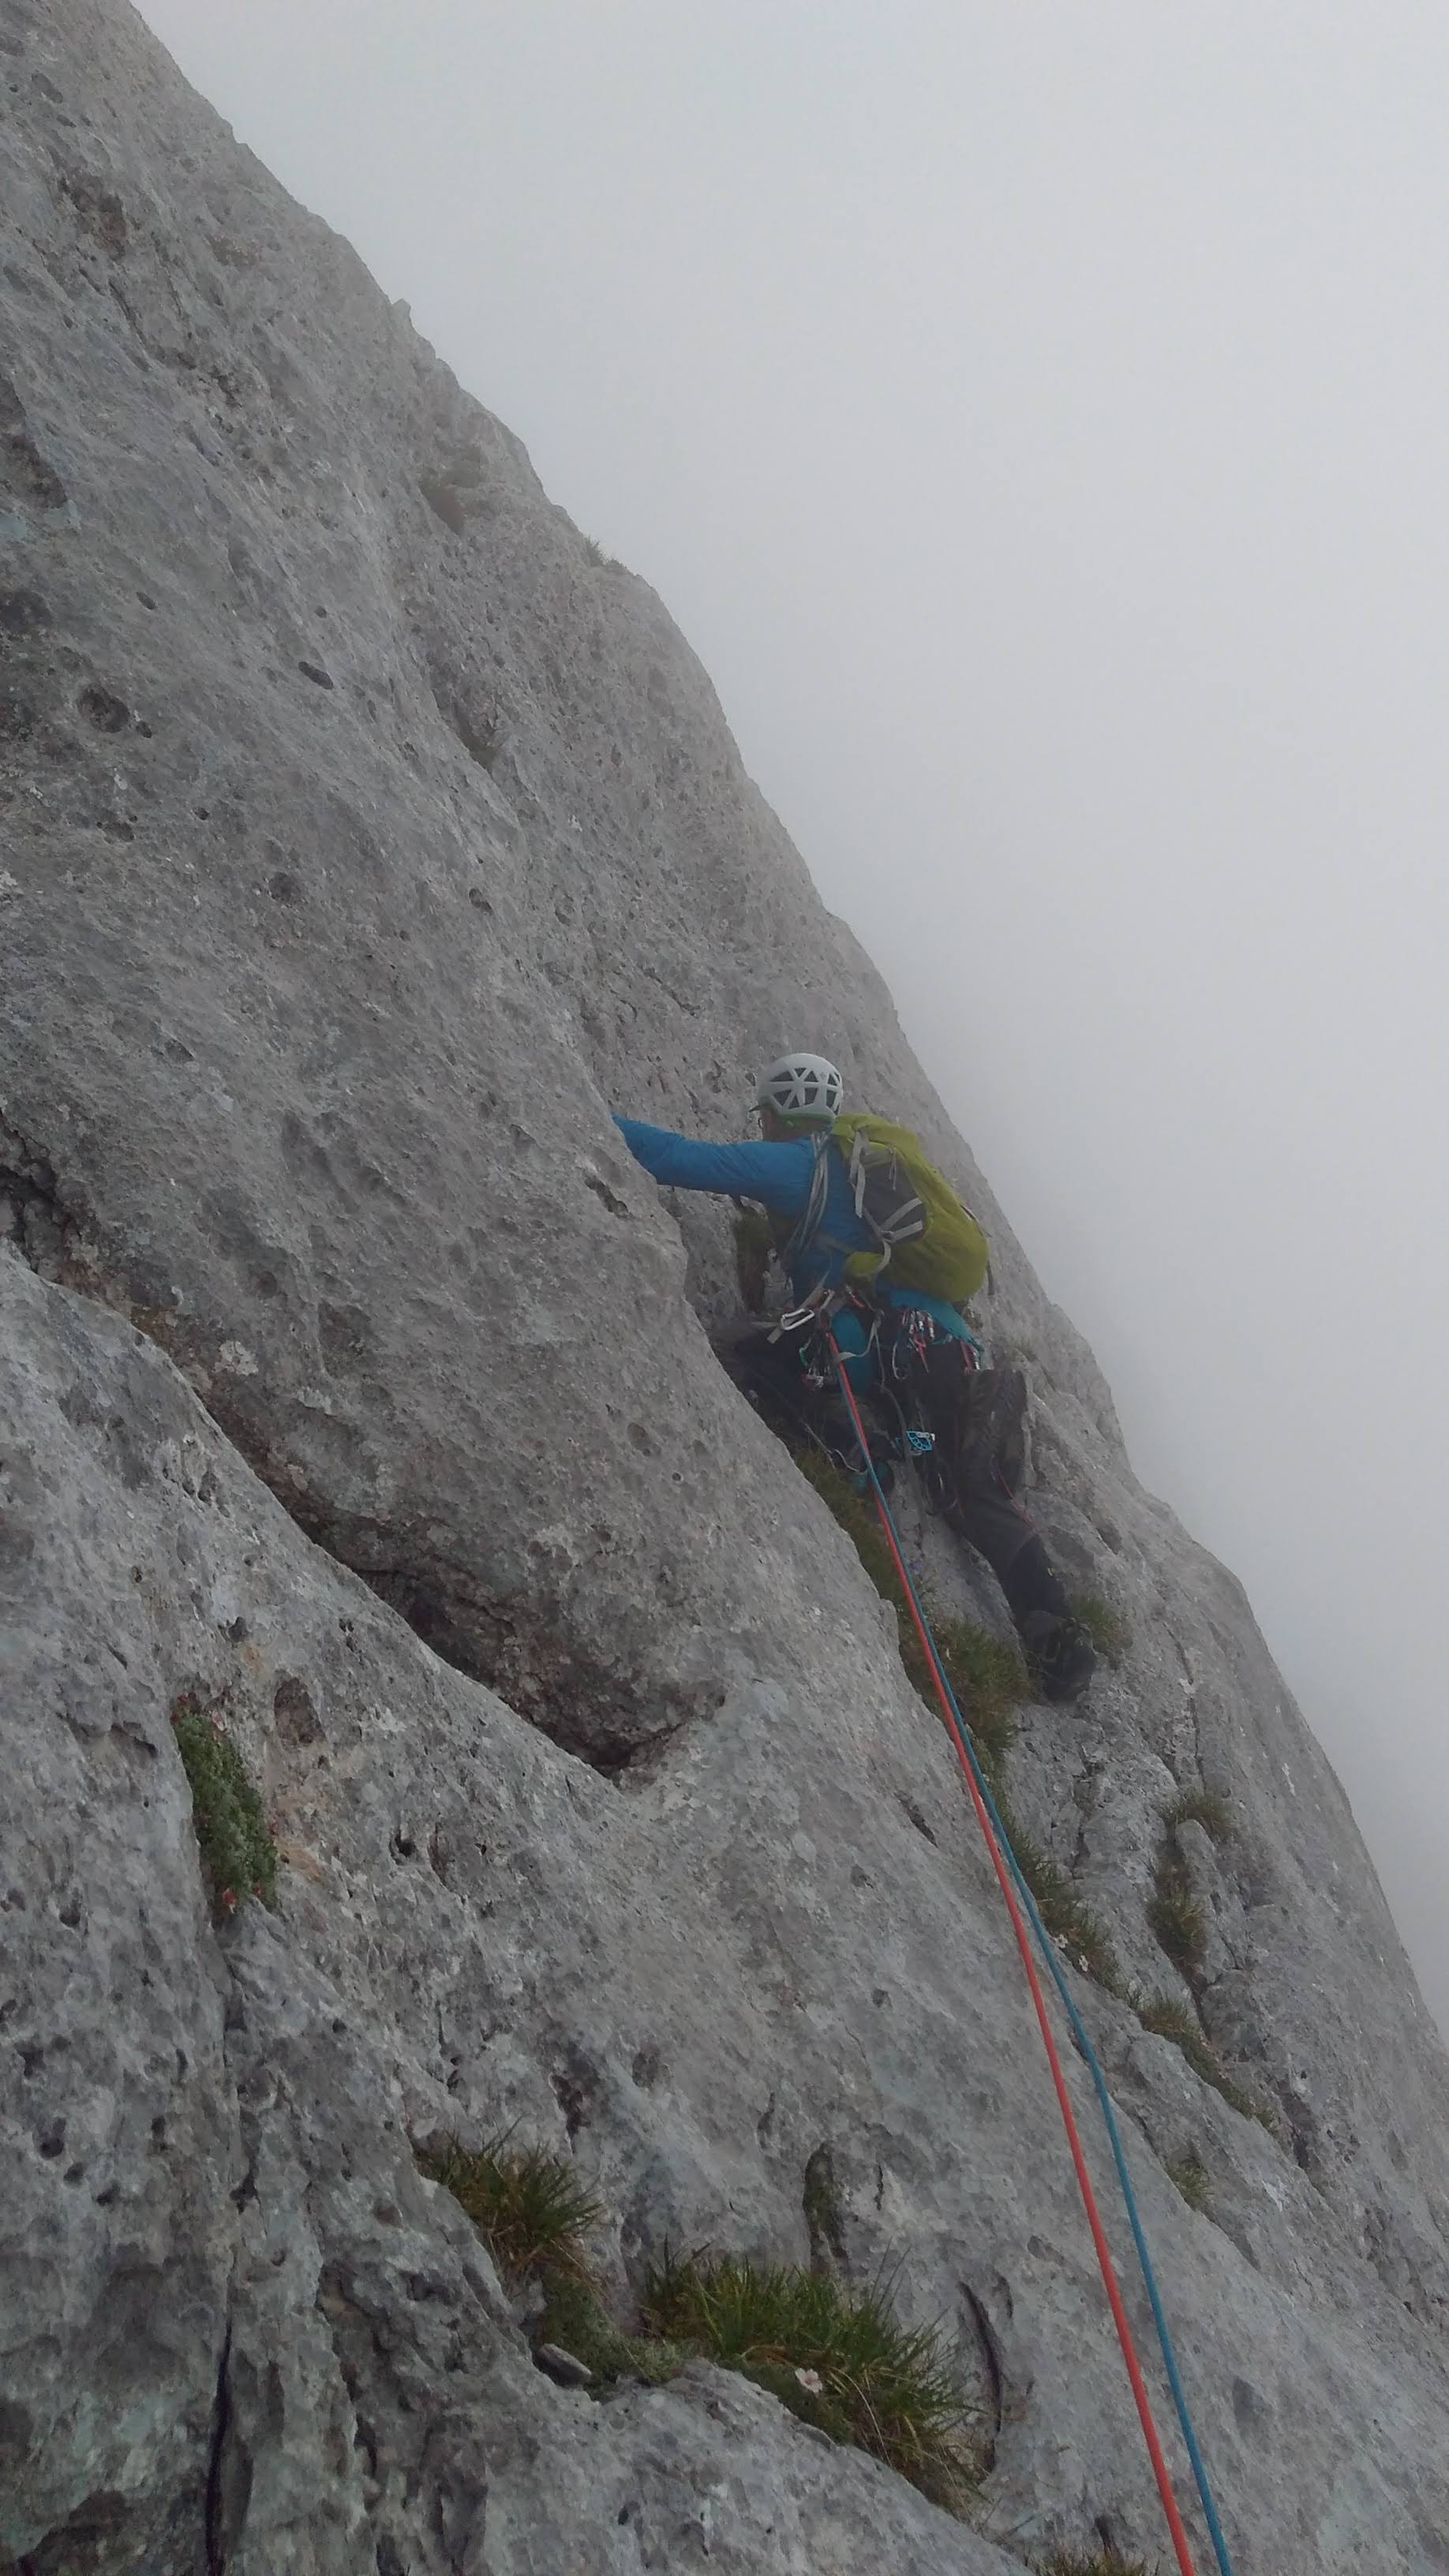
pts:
pixel 928 1239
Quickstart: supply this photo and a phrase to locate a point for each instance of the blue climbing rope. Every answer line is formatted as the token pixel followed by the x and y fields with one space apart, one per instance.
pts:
pixel 1080 2033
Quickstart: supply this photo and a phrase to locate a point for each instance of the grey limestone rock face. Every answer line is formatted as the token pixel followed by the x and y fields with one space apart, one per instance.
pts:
pixel 366 843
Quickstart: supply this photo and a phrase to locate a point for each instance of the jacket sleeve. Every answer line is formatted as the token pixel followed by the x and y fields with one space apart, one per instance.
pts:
pixel 778 1176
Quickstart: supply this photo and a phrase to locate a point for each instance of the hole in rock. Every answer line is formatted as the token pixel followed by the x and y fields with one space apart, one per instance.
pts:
pixel 295 1714
pixel 577 1702
pixel 98 210
pixel 910 1809
pixel 478 734
pixel 444 502
pixel 991 2365
pixel 103 709
pixel 22 612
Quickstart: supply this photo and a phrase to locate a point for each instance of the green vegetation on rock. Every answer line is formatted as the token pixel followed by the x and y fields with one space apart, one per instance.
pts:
pixel 1072 1923
pixel 575 2318
pixel 1105 1626
pixel 1168 2019
pixel 1201 1807
pixel 1175 1913
pixel 836 2358
pixel 988 1677
pixel 529 2207
pixel 990 1682
pixel 238 1854
pixel 986 1673
pixel 1176 1917
pixel 1191 2177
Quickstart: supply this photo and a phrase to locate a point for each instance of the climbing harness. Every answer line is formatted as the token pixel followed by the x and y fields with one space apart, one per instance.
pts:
pixel 1019 1898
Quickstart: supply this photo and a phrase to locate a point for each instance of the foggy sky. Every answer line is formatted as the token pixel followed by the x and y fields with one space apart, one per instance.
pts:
pixel 1038 420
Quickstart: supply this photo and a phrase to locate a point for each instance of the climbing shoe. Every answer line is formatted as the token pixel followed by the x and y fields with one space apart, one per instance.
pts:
pixel 1060 1655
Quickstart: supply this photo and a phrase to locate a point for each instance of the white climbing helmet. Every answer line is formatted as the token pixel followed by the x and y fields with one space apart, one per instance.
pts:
pixel 801 1086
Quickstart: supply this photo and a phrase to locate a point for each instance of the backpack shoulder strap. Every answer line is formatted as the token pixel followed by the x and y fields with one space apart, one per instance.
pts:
pixel 807 1224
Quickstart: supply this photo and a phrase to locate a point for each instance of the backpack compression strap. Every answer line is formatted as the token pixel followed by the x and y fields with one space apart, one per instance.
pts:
pixel 908 1217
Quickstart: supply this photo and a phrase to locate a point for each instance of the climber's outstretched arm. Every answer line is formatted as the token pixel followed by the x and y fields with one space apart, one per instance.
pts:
pixel 778 1176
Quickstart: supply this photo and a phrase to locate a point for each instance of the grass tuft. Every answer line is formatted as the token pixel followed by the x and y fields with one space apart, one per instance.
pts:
pixel 1201 1807
pixel 597 555
pixel 836 2358
pixel 989 1679
pixel 238 1854
pixel 1168 2019
pixel 1191 2177
pixel 1105 1626
pixel 1179 1925
pixel 528 2206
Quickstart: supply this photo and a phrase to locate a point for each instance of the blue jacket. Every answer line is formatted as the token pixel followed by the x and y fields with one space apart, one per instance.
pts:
pixel 778 1178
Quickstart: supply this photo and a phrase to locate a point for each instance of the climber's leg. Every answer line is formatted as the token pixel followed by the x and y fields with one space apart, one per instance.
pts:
pixel 976 1418
pixel 797 1403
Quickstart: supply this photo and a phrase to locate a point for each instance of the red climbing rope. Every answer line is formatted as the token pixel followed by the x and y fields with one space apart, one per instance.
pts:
pixel 1084 2180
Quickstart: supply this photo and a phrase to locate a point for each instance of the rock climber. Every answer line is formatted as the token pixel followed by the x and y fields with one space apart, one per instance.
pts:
pixel 896 1340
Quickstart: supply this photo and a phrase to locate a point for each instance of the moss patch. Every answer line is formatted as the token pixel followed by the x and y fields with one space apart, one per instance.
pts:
pixel 837 2359
pixel 238 1855
pixel 574 2318
pixel 1190 2176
